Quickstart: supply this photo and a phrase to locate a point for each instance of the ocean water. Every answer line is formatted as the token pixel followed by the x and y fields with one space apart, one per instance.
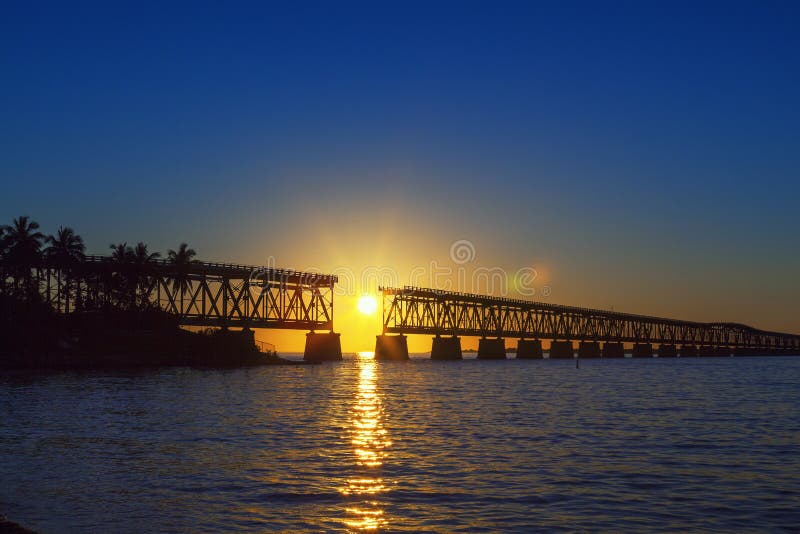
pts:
pixel 621 445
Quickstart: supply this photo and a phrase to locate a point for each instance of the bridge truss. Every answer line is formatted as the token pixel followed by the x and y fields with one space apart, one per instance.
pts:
pixel 198 294
pixel 413 310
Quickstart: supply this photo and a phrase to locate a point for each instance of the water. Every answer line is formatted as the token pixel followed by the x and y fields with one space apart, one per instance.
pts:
pixel 700 444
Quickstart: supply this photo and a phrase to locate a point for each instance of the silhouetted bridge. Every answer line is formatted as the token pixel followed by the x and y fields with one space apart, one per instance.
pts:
pixel 200 294
pixel 447 315
pixel 241 296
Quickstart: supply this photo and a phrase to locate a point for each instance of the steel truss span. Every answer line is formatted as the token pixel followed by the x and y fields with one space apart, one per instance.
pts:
pixel 414 310
pixel 198 294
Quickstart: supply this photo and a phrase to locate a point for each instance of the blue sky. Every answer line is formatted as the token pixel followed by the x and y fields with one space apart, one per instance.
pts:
pixel 644 155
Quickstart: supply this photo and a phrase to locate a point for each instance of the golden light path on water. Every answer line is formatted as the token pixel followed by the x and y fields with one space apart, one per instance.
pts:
pixel 370 443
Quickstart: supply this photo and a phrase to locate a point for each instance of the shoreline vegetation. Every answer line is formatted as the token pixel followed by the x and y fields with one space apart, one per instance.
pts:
pixel 119 330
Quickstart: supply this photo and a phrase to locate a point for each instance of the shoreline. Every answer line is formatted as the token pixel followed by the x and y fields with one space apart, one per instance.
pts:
pixel 35 338
pixel 10 527
pixel 137 358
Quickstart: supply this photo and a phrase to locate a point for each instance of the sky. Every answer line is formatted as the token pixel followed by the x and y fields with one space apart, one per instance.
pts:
pixel 640 156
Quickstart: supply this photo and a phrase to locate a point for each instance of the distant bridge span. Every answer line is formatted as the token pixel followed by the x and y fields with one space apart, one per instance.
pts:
pixel 414 310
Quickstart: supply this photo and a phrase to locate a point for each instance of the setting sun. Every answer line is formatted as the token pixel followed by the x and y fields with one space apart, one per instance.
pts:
pixel 367 304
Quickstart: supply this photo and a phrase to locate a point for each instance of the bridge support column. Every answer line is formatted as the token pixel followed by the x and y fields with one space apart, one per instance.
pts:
pixel 667 351
pixel 529 349
pixel 724 352
pixel 613 350
pixel 745 351
pixel 561 349
pixel 446 348
pixel 323 347
pixel 391 347
pixel 688 351
pixel 492 349
pixel 642 350
pixel 588 349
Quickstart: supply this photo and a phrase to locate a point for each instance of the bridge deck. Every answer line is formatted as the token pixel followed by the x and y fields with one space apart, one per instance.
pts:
pixel 414 310
pixel 198 294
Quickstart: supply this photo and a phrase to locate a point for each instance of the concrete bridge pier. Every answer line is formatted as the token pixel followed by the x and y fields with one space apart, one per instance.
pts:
pixel 588 349
pixel 323 347
pixel 688 351
pixel 561 349
pixel 446 348
pixel 529 349
pixel 667 351
pixel 613 350
pixel 642 350
pixel 391 347
pixel 724 352
pixel 491 349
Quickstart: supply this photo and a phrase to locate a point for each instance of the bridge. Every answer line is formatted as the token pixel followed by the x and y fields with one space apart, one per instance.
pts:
pixel 200 294
pixel 447 315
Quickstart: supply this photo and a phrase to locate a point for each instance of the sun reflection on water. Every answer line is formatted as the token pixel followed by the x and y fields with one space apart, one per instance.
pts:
pixel 370 443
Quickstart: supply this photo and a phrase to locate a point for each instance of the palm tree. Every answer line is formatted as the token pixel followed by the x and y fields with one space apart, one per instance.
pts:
pixel 143 262
pixel 122 286
pixel 181 261
pixel 3 242
pixel 141 256
pixel 3 239
pixel 64 249
pixel 121 253
pixel 24 243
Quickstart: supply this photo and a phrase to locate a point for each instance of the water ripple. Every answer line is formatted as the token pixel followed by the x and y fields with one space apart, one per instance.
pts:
pixel 624 445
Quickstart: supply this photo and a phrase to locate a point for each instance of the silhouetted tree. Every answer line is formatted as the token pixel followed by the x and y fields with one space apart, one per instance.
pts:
pixel 181 261
pixel 3 249
pixel 123 287
pixel 65 247
pixel 64 250
pixel 121 253
pixel 24 243
pixel 143 264
pixel 3 241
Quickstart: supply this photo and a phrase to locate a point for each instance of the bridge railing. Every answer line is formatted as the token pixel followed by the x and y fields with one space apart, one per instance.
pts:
pixel 473 297
pixel 272 273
